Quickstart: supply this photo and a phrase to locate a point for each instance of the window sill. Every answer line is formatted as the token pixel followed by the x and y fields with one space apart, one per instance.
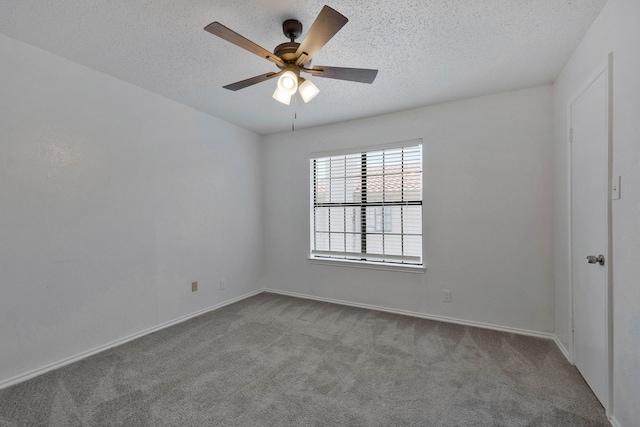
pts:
pixel 405 268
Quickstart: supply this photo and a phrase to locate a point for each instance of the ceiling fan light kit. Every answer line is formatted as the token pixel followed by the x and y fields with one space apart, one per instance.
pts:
pixel 292 57
pixel 308 90
pixel 280 96
pixel 288 83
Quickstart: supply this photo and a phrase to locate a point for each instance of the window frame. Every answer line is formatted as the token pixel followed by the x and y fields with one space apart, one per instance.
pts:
pixel 343 258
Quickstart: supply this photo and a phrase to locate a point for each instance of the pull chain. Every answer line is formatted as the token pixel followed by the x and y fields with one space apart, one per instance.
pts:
pixel 295 113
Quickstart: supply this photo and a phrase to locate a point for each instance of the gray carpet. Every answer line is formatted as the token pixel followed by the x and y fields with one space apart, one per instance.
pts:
pixel 272 360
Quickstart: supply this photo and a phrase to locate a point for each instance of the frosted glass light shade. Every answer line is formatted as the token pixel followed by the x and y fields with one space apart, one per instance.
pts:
pixel 281 96
pixel 288 83
pixel 308 90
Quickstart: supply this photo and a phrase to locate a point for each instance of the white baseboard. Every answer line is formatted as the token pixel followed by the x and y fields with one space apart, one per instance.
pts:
pixel 614 422
pixel 563 349
pixel 59 364
pixel 420 315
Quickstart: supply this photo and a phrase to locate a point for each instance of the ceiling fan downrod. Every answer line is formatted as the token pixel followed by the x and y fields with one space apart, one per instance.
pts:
pixel 292 29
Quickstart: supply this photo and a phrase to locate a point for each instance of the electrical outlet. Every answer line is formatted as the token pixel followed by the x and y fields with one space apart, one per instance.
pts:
pixel 446 296
pixel 194 286
pixel 223 284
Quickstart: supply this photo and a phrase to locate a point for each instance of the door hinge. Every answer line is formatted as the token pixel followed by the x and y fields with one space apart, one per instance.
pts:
pixel 571 135
pixel 571 323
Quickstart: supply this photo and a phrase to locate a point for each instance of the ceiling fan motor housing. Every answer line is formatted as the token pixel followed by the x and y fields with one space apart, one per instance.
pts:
pixel 292 29
pixel 287 51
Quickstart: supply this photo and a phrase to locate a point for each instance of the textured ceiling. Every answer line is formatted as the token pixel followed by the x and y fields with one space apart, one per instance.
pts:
pixel 426 51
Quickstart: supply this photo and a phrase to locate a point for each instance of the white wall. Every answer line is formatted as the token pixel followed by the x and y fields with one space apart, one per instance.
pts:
pixel 112 200
pixel 615 30
pixel 487 211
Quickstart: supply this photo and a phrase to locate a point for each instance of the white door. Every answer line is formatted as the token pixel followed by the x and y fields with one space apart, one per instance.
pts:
pixel 590 233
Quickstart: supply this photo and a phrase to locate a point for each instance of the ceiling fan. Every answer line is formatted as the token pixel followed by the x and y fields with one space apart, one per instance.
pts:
pixel 292 57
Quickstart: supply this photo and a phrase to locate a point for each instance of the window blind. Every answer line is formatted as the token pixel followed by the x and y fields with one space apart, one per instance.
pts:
pixel 367 205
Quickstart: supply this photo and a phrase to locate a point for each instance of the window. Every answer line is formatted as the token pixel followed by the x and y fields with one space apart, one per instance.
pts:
pixel 367 205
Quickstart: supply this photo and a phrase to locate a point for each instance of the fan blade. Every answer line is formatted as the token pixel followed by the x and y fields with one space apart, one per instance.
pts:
pixel 326 25
pixel 250 82
pixel 361 75
pixel 217 29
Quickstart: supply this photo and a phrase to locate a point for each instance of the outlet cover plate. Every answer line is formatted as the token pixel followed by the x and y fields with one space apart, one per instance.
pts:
pixel 446 296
